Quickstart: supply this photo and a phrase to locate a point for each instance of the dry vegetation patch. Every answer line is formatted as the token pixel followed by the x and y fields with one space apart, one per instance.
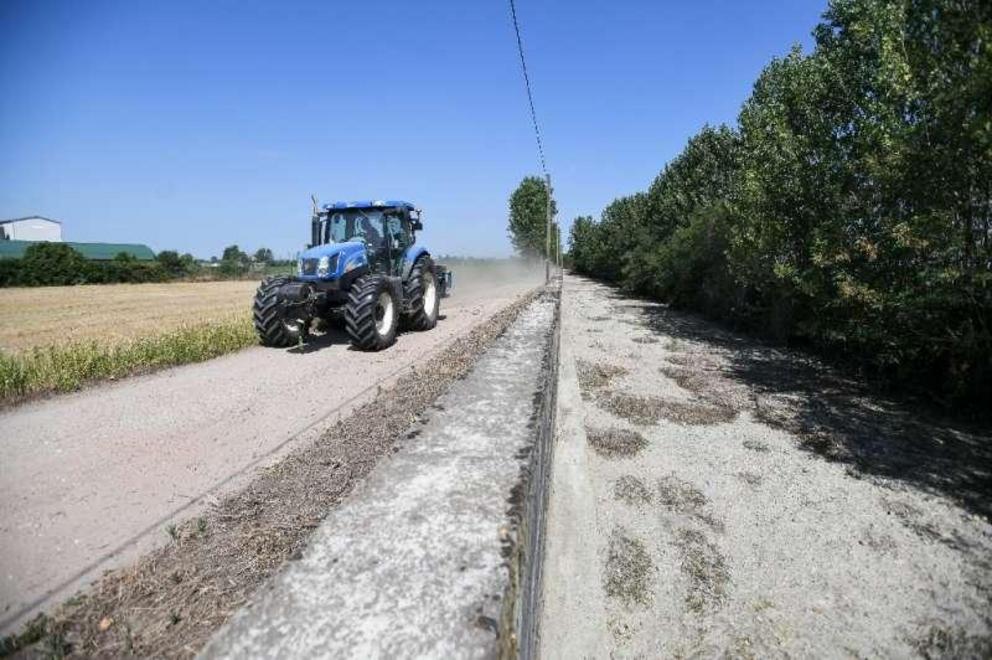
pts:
pixel 756 446
pixel 66 367
pixel 684 498
pixel 647 410
pixel 627 572
pixel 170 602
pixel 615 442
pixel 680 496
pixel 632 491
pixel 706 569
pixel 596 375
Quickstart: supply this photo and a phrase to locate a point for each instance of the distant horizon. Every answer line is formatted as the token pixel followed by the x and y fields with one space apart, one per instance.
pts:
pixel 192 127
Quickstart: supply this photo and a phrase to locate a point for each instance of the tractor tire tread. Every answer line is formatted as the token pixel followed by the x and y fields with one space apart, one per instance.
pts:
pixel 267 314
pixel 359 318
pixel 413 289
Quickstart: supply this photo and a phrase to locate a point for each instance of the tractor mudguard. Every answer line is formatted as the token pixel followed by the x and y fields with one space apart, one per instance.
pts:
pixel 410 257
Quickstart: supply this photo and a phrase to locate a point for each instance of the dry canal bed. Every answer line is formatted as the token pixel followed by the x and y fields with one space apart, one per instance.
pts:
pixel 715 497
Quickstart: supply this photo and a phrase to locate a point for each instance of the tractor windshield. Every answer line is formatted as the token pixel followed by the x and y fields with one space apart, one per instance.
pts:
pixel 353 225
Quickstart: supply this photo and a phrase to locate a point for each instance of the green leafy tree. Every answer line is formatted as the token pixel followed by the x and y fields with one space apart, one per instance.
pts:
pixel 529 216
pixel 263 255
pixel 171 262
pixel 233 261
pixel 49 264
pixel 851 208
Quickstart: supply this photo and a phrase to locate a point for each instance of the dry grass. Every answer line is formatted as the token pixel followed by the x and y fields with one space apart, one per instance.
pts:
pixel 704 566
pixel 593 376
pixel 632 491
pixel 66 367
pixel 648 410
pixel 615 442
pixel 684 498
pixel 627 573
pixel 109 313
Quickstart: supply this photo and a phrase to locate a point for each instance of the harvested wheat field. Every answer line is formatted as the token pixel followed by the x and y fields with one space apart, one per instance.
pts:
pixel 43 316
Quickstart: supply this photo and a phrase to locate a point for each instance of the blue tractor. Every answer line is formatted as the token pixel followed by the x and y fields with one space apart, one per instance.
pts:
pixel 363 270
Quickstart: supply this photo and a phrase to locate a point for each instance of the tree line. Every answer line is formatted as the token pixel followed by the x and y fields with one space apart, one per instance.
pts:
pixel 58 264
pixel 850 207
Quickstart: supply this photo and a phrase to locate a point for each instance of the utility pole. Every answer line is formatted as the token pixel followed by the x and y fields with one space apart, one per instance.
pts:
pixel 547 242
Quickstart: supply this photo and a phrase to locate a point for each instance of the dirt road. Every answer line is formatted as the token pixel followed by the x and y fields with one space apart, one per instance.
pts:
pixel 715 497
pixel 90 480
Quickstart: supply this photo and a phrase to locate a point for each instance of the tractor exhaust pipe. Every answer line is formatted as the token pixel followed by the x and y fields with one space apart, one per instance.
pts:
pixel 314 222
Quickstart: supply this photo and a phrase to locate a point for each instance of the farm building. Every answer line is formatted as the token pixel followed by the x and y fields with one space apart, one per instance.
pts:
pixel 92 251
pixel 17 234
pixel 31 228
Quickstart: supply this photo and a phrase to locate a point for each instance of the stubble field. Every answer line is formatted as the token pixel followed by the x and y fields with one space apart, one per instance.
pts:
pixel 111 313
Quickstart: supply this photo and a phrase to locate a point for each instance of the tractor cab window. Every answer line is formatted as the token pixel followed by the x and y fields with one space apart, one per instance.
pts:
pixel 399 231
pixel 354 225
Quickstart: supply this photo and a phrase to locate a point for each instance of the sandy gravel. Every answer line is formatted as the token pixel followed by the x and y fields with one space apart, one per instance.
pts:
pixel 91 480
pixel 736 500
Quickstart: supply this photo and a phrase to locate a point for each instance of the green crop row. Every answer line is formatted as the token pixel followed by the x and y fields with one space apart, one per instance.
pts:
pixel 63 368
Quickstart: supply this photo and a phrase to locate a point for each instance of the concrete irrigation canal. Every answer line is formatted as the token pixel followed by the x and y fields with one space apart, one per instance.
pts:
pixel 582 475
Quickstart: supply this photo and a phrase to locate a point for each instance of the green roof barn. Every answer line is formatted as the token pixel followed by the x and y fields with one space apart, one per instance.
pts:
pixel 92 251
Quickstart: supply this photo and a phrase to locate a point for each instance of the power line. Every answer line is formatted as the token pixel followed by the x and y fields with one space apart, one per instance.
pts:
pixel 530 95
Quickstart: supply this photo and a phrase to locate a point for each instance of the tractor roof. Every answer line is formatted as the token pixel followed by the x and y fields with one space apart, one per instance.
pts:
pixel 370 204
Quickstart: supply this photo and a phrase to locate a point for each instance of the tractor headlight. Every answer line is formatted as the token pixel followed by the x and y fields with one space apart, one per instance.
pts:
pixel 323 266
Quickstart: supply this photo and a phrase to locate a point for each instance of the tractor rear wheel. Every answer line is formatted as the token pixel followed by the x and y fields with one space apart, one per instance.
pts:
pixel 268 315
pixel 372 314
pixel 424 296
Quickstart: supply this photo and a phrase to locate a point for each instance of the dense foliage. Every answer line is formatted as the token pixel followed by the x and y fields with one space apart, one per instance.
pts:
pixel 850 208
pixel 54 264
pixel 529 218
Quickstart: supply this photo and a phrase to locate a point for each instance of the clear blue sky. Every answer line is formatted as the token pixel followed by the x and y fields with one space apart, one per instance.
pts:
pixel 193 125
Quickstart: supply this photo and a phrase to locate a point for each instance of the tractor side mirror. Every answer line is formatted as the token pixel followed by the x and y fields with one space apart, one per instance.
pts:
pixel 417 225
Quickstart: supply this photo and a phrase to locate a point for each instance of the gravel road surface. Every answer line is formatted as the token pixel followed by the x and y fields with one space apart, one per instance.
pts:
pixel 715 497
pixel 88 481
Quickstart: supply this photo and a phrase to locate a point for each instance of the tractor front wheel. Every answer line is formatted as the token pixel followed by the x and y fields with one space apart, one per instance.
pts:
pixel 270 325
pixel 424 295
pixel 372 314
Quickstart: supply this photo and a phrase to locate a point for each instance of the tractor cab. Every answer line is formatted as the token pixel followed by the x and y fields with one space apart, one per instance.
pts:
pixel 385 229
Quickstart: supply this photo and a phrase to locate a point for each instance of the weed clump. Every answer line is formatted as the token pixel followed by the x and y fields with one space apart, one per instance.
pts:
pixel 646 410
pixel 705 568
pixel 615 442
pixel 684 498
pixel 756 446
pixel 593 376
pixel 632 491
pixel 627 571
pixel 680 496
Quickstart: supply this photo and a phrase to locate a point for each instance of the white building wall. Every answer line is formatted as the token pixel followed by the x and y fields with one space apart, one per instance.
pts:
pixel 34 229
